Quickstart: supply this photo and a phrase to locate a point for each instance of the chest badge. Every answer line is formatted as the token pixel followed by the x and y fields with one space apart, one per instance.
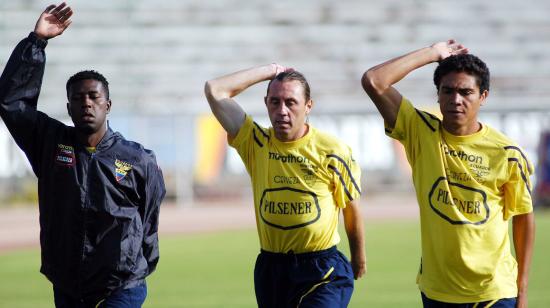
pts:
pixel 121 169
pixel 65 155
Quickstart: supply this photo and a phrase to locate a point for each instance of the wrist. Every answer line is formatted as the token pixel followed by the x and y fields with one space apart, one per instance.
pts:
pixel 40 36
pixel 37 39
pixel 434 54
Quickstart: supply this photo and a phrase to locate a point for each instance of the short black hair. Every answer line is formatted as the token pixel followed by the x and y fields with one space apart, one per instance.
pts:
pixel 85 75
pixel 466 63
pixel 290 76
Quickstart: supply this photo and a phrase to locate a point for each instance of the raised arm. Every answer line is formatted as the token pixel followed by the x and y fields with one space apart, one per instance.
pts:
pixel 220 92
pixel 22 77
pixel 353 223
pixel 524 237
pixel 21 81
pixel 378 81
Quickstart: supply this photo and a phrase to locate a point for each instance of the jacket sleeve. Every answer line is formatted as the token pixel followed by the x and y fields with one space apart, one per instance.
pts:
pixel 20 85
pixel 154 195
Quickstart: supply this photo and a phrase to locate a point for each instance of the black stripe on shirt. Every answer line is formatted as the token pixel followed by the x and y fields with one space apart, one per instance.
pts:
pixel 522 173
pixel 256 139
pixel 432 116
pixel 421 114
pixel 261 130
pixel 511 147
pixel 348 169
pixel 341 180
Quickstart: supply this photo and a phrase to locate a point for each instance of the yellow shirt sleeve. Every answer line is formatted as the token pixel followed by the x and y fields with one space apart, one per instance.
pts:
pixel 405 130
pixel 517 191
pixel 346 177
pixel 243 143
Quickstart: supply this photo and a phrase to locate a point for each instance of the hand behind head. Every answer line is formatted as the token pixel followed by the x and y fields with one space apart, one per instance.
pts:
pixel 449 48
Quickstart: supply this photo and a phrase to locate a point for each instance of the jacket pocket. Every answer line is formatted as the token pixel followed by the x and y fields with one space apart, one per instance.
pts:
pixel 130 246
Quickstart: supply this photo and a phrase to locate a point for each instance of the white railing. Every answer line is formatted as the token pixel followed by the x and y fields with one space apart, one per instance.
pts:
pixel 187 163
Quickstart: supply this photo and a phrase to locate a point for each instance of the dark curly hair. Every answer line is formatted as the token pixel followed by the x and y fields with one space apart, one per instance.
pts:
pixel 466 63
pixel 85 75
pixel 290 76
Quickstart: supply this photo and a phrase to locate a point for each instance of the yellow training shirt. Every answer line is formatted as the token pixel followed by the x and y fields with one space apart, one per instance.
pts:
pixel 299 187
pixel 467 188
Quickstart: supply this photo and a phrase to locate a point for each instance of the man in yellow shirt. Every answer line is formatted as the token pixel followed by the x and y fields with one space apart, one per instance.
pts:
pixel 301 179
pixel 469 179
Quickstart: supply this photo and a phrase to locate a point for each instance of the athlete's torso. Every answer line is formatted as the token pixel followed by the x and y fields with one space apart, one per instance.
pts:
pixel 298 187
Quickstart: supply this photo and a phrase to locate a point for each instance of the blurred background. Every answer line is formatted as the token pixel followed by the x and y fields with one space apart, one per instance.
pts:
pixel 158 54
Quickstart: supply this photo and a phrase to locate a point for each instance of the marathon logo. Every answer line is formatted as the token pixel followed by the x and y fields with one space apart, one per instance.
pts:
pixel 288 208
pixel 459 204
pixel 463 155
pixel 64 155
pixel 288 158
pixel 121 169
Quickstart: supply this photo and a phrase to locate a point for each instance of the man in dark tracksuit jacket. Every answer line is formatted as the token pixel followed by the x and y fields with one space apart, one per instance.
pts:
pixel 99 194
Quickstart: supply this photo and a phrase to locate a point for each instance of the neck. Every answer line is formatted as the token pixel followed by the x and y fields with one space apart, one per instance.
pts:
pixel 90 140
pixel 462 130
pixel 301 133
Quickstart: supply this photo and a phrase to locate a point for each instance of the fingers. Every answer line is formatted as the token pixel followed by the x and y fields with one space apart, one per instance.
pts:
pixel 58 8
pixel 49 8
pixel 61 12
pixel 359 270
pixel 67 23
pixel 358 273
pixel 454 48
pixel 278 68
pixel 65 15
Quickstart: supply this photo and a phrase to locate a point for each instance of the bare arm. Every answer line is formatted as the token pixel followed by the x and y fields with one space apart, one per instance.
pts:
pixel 378 80
pixel 220 92
pixel 353 222
pixel 524 238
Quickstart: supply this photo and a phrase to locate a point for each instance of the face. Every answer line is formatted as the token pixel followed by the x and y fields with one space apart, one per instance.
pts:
pixel 287 108
pixel 459 100
pixel 88 106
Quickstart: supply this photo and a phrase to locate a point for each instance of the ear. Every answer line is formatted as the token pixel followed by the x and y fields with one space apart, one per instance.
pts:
pixel 265 100
pixel 69 110
pixel 483 97
pixel 108 106
pixel 309 105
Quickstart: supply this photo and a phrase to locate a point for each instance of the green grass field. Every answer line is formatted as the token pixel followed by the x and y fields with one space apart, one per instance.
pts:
pixel 215 270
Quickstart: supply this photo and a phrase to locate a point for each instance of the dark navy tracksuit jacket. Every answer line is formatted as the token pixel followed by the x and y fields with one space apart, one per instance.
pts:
pixel 98 212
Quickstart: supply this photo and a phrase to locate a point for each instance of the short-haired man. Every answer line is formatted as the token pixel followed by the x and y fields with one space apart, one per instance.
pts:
pixel 99 194
pixel 469 178
pixel 301 179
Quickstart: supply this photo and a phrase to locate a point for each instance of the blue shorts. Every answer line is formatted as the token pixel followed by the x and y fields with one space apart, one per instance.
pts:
pixel 498 303
pixel 122 298
pixel 320 279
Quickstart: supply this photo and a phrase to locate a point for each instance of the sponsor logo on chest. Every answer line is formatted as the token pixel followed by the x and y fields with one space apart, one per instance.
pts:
pixel 289 208
pixel 459 204
pixel 64 155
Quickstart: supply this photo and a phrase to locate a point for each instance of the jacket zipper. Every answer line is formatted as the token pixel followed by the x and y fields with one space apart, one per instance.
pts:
pixel 89 158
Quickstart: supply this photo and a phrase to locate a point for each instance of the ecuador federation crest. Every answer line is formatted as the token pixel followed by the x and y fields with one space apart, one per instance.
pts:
pixel 121 169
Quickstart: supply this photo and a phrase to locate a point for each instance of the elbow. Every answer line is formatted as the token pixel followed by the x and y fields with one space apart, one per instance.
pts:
pixel 214 92
pixel 208 89
pixel 372 84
